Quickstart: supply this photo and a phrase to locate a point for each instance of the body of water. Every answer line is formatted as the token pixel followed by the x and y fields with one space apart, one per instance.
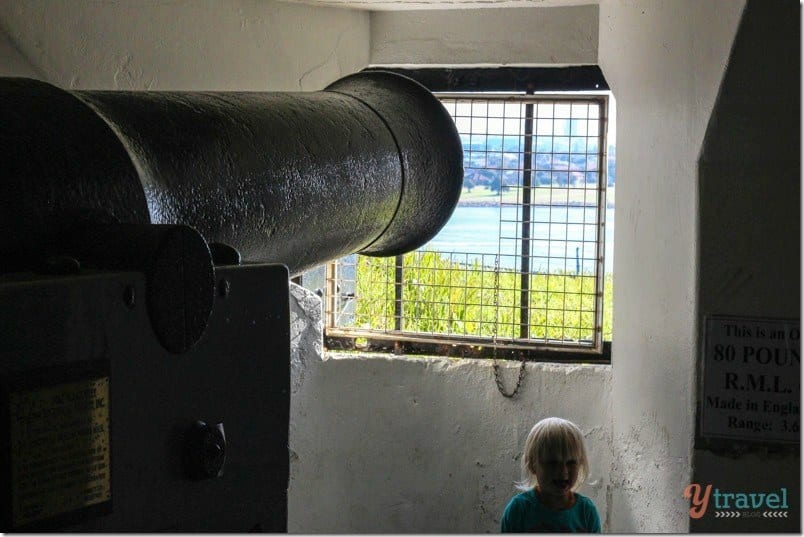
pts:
pixel 562 237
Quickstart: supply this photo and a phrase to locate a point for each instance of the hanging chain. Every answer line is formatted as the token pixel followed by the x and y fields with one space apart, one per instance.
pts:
pixel 496 366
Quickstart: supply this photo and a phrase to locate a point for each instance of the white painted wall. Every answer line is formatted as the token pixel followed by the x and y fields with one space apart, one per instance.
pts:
pixel 13 63
pixel 664 62
pixel 531 36
pixel 384 444
pixel 246 45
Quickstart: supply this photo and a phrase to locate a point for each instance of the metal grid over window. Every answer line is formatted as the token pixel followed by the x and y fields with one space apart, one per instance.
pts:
pixel 521 262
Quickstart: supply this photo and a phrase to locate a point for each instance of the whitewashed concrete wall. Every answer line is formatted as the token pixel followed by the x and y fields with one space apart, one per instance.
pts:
pixel 386 444
pixel 244 45
pixel 664 62
pixel 531 36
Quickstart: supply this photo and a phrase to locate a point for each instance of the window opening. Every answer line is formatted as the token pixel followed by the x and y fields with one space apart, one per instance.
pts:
pixel 518 271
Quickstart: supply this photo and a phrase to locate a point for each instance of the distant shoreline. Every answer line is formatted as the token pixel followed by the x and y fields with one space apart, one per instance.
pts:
pixel 496 203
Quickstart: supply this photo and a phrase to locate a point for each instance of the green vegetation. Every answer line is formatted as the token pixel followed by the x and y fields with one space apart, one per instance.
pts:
pixel 445 297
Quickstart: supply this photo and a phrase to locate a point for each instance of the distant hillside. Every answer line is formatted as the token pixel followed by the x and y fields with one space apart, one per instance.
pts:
pixel 496 162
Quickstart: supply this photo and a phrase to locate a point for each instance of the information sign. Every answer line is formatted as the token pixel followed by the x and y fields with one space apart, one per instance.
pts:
pixel 59 449
pixel 751 386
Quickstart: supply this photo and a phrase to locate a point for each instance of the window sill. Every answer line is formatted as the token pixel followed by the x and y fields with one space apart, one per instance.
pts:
pixel 418 358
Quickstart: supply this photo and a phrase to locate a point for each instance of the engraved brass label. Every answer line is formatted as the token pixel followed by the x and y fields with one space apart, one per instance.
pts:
pixel 60 453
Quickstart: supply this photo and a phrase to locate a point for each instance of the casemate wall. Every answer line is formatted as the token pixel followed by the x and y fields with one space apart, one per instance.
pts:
pixel 395 444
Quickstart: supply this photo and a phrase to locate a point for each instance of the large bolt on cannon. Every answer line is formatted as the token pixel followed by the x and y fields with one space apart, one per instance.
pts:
pixel 172 183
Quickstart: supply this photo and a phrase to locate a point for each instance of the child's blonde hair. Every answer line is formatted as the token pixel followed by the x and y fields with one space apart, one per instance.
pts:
pixel 551 439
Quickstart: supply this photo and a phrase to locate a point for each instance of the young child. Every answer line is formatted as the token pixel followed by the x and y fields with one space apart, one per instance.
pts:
pixel 554 465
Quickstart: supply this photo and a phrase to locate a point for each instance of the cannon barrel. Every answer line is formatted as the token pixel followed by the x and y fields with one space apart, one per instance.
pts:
pixel 372 164
pixel 173 183
pixel 136 226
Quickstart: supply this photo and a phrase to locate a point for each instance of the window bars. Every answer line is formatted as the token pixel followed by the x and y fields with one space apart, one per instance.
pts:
pixel 521 261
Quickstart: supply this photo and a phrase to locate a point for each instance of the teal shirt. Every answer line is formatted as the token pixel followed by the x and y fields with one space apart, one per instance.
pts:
pixel 525 513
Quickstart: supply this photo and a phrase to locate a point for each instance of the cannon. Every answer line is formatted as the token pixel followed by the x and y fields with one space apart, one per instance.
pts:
pixel 147 239
pixel 372 164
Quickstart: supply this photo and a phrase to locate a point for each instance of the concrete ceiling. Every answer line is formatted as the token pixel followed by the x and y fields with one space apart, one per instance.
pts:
pixel 400 5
